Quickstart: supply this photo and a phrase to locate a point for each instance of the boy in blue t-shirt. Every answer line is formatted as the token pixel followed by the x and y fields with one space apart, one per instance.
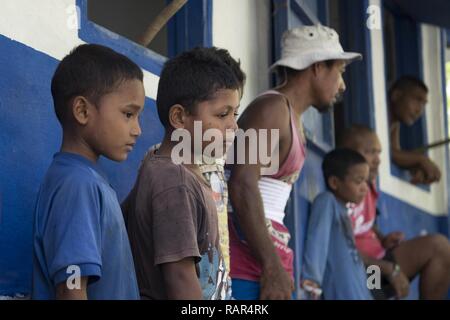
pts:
pixel 81 247
pixel 331 261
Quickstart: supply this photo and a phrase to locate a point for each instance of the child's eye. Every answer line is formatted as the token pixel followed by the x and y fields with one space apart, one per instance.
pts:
pixel 236 114
pixel 128 114
pixel 223 115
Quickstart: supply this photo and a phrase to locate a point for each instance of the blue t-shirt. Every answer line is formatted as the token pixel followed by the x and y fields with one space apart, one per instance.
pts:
pixel 331 259
pixel 79 229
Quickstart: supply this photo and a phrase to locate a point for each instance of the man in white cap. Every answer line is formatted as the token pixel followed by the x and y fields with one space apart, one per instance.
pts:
pixel 312 64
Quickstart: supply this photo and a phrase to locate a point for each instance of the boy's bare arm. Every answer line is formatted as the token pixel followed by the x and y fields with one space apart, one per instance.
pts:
pixel 64 293
pixel 410 159
pixel 181 281
pixel 404 159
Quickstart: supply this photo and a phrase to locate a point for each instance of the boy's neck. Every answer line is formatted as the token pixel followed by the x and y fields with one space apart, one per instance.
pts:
pixel 339 199
pixel 77 145
pixel 166 150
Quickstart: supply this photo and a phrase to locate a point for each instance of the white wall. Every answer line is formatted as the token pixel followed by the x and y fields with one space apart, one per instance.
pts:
pixel 51 27
pixel 243 27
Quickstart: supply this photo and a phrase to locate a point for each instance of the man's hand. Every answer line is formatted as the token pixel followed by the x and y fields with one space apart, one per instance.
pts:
pixel 400 283
pixel 276 284
pixel 392 239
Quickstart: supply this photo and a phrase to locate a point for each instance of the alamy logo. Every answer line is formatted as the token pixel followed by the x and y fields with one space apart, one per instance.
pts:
pixel 250 147
pixel 73 282
pixel 374 277
pixel 374 20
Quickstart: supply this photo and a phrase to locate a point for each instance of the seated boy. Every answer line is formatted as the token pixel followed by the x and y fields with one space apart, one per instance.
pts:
pixel 331 259
pixel 400 260
pixel 170 213
pixel 407 99
pixel 81 248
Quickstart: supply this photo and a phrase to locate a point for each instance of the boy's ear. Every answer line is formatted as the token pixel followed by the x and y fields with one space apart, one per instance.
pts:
pixel 177 116
pixel 333 182
pixel 80 110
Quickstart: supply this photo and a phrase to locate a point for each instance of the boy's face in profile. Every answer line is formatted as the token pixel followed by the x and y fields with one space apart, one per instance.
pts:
pixel 409 104
pixel 218 113
pixel 353 188
pixel 369 146
pixel 113 128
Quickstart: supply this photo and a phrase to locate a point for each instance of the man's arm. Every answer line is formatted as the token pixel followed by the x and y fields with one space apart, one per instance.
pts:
pixel 64 293
pixel 181 281
pixel 247 203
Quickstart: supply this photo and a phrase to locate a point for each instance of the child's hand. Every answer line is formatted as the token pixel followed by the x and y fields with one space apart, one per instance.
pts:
pixel 431 170
pixel 393 239
pixel 400 283
pixel 418 176
pixel 312 288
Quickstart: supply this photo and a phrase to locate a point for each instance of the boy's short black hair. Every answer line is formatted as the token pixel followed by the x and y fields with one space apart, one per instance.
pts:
pixel 195 76
pixel 235 66
pixel 90 70
pixel 338 162
pixel 406 83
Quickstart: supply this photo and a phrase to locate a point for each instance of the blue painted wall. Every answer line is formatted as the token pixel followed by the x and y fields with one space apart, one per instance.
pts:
pixel 28 136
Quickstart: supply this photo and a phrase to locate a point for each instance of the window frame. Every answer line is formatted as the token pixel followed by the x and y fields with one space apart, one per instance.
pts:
pixel 408 60
pixel 184 32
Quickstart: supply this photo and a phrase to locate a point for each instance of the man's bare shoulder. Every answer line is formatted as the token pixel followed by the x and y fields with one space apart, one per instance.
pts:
pixel 270 111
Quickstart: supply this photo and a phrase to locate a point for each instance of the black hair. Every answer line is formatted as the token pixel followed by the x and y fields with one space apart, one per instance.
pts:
pixel 338 162
pixel 406 83
pixel 235 66
pixel 195 76
pixel 90 70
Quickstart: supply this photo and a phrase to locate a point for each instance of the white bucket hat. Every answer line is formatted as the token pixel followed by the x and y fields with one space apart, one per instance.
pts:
pixel 306 45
